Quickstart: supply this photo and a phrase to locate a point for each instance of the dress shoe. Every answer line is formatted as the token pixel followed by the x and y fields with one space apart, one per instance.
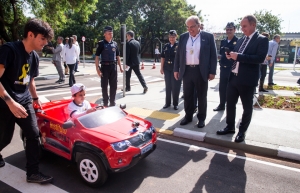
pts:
pixel 225 131
pixel 201 124
pixel 272 84
pixel 105 104
pixel 219 108
pixel 185 121
pixel 166 106
pixel 175 107
pixel 57 81
pixel 263 90
pixel 240 137
pixel 2 163
pixel 126 90
pixel 145 90
pixel 61 82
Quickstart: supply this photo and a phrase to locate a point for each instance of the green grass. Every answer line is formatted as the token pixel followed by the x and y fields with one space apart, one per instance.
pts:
pixel 280 102
pixel 278 68
pixel 278 87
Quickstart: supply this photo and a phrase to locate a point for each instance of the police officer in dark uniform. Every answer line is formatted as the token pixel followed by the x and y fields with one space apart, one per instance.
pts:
pixel 225 64
pixel 167 65
pixel 110 57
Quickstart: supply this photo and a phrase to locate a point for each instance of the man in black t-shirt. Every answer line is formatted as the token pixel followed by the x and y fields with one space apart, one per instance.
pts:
pixel 18 66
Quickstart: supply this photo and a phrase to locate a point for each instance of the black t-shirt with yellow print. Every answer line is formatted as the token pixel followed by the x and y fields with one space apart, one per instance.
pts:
pixel 20 68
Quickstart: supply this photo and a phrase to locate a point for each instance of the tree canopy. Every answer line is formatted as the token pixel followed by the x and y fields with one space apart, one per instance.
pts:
pixel 266 22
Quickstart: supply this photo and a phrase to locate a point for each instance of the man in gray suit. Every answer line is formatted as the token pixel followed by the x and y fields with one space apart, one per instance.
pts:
pixel 57 59
pixel 273 48
pixel 195 63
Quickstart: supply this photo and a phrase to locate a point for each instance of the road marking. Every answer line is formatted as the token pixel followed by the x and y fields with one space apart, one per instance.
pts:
pixel 16 178
pixel 230 155
pixel 152 113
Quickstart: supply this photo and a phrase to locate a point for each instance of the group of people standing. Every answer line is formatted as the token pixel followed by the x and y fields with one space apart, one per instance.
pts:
pixel 67 54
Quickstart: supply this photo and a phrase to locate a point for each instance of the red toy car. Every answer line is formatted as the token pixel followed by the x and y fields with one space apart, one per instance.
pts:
pixel 107 140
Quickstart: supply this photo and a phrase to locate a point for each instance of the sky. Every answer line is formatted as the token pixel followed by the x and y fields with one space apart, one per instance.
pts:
pixel 219 12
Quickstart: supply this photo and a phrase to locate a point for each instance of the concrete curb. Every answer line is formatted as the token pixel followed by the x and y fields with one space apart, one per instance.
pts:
pixel 194 135
pixel 283 152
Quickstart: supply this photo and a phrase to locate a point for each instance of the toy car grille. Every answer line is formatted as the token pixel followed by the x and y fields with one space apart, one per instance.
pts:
pixel 141 139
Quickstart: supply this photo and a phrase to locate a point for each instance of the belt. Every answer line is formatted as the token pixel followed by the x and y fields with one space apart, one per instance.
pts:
pixel 108 63
pixel 192 65
pixel 235 74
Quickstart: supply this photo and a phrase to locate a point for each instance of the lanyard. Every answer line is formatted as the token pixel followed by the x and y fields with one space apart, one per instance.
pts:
pixel 194 39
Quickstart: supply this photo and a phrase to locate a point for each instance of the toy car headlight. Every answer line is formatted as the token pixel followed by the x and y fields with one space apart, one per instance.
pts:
pixel 121 145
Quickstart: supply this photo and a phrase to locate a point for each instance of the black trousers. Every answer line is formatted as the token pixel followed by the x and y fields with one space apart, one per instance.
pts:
pixel 234 91
pixel 137 72
pixel 156 58
pixel 71 75
pixel 263 74
pixel 30 130
pixel 223 83
pixel 172 87
pixel 109 76
pixel 192 79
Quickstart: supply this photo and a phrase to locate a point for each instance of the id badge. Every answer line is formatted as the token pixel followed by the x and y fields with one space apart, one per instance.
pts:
pixel 26 79
pixel 191 51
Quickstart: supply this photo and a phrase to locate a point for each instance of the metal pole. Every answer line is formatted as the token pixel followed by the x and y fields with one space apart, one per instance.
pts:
pixel 295 58
pixel 123 34
pixel 83 55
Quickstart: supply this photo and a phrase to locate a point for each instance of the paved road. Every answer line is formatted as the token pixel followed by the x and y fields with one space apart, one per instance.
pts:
pixel 177 165
pixel 174 167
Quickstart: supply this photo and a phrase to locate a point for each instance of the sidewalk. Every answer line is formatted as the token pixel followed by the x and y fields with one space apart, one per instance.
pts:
pixel 271 132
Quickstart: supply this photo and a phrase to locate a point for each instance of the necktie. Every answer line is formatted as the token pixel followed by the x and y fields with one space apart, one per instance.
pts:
pixel 240 51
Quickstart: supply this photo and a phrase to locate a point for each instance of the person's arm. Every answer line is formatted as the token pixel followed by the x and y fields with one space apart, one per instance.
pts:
pixel 257 58
pixel 119 63
pixel 213 59
pixel 77 54
pixel 18 110
pixel 97 66
pixel 32 90
pixel 57 49
pixel 274 52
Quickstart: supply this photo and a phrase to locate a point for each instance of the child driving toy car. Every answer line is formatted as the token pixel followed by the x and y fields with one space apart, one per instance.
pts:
pixel 79 106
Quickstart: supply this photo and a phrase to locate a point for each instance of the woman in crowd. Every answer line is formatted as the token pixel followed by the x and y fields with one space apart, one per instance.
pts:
pixel 167 65
pixel 70 55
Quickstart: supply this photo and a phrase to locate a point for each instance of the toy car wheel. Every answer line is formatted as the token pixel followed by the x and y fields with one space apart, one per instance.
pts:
pixel 91 170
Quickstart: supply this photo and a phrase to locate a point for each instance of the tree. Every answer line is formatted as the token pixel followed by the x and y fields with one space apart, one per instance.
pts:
pixel 266 22
pixel 12 17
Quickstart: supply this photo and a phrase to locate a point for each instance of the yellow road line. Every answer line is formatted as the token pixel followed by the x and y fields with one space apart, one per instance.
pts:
pixel 152 113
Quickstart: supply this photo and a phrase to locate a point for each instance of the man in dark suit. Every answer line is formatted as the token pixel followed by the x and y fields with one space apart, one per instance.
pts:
pixel 133 50
pixel 249 52
pixel 195 63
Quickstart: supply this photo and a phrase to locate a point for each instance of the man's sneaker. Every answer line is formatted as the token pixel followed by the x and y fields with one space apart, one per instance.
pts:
pixel 39 178
pixel 2 163
pixel 145 90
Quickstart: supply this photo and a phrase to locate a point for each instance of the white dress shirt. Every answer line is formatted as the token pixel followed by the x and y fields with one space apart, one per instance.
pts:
pixel 193 50
pixel 236 70
pixel 70 55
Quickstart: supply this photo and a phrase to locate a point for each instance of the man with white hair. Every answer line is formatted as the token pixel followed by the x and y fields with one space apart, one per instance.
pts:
pixel 195 63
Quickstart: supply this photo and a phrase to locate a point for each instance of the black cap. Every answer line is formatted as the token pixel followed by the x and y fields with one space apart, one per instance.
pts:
pixel 172 32
pixel 108 28
pixel 230 25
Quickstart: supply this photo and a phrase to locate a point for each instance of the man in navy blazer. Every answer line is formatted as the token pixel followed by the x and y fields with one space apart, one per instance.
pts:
pixel 249 52
pixel 195 63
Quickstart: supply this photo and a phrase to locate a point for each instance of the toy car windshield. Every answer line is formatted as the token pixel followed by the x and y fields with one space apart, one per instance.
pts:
pixel 101 117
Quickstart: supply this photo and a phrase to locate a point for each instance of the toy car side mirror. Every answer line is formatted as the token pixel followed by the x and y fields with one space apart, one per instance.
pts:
pixel 68 125
pixel 123 106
